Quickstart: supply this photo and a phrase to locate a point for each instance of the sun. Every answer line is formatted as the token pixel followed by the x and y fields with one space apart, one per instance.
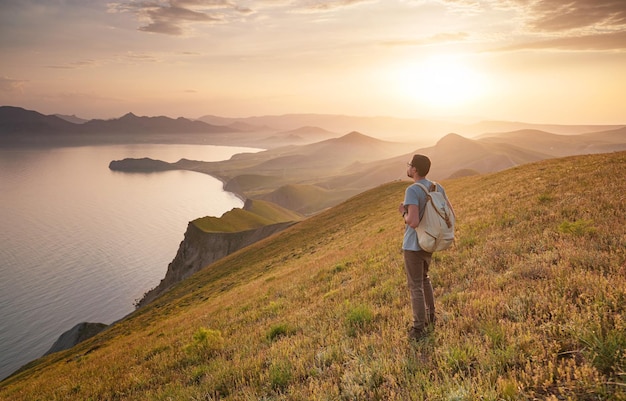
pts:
pixel 441 82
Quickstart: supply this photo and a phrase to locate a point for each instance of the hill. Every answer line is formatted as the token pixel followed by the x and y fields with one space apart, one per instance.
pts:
pixel 132 124
pixel 341 167
pixel 307 199
pixel 419 132
pixel 301 135
pixel 531 304
pixel 26 127
pixel 254 214
pixel 561 145
pixel 208 239
pixel 15 122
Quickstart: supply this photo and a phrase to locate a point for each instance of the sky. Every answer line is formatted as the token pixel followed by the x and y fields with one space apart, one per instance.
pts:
pixel 559 62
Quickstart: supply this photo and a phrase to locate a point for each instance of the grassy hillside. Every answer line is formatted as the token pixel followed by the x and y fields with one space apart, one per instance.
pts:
pixel 257 214
pixel 531 305
pixel 307 199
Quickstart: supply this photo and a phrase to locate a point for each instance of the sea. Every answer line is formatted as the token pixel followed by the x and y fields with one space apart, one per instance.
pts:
pixel 82 243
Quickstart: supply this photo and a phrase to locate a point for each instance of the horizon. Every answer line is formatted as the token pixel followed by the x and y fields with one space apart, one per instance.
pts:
pixel 458 120
pixel 545 63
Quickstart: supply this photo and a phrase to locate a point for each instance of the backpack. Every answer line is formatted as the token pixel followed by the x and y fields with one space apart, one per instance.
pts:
pixel 435 231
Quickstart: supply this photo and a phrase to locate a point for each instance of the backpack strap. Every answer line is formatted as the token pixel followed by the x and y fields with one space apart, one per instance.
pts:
pixel 433 187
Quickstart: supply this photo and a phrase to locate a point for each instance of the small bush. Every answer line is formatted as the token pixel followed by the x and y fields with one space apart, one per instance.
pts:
pixel 280 374
pixel 607 351
pixel 578 227
pixel 279 330
pixel 358 318
pixel 206 343
pixel 545 198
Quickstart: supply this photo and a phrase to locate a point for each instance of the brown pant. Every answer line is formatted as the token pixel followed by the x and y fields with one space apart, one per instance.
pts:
pixel 422 300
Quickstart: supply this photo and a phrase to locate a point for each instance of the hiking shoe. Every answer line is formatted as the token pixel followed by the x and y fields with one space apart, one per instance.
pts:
pixel 416 334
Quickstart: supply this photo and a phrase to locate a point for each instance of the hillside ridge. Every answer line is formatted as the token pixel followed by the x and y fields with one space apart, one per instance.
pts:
pixel 531 303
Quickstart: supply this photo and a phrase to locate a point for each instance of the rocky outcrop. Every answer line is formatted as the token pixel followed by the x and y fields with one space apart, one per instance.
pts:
pixel 199 249
pixel 143 165
pixel 79 333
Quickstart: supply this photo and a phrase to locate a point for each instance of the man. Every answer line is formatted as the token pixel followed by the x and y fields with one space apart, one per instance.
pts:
pixel 416 260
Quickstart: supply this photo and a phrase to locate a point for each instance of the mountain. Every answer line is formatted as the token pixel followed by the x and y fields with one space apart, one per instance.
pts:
pixel 449 155
pixel 304 162
pixel 20 126
pixel 73 119
pixel 294 176
pixel 265 132
pixel 416 131
pixel 488 128
pixel 561 145
pixel 419 132
pixel 132 124
pixel 454 152
pixel 16 121
pixel 301 135
pixel 530 305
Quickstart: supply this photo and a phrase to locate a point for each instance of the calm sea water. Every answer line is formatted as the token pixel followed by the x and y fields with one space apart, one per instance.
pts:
pixel 79 242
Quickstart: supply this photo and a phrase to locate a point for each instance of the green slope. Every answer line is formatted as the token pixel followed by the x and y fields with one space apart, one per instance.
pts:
pixel 257 213
pixel 531 305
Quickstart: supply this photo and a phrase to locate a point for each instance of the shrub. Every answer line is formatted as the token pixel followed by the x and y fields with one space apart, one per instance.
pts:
pixel 607 351
pixel 281 329
pixel 206 343
pixel 358 318
pixel 280 374
pixel 578 227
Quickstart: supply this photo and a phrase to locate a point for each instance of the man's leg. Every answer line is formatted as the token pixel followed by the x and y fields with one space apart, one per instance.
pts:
pixel 414 267
pixel 429 298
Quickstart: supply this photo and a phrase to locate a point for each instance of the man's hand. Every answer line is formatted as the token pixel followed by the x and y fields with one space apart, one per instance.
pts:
pixel 402 209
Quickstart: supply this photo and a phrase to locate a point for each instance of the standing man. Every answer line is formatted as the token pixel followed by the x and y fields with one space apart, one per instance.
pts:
pixel 416 260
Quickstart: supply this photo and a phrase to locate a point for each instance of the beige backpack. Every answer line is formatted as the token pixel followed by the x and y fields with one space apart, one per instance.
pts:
pixel 435 231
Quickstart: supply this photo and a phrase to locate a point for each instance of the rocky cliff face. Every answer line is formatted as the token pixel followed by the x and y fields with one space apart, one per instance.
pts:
pixel 79 333
pixel 199 249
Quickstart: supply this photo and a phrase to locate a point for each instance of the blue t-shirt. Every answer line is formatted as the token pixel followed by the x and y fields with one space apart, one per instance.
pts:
pixel 414 195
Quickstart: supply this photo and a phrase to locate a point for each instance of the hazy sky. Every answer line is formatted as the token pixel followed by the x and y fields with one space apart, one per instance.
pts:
pixel 535 61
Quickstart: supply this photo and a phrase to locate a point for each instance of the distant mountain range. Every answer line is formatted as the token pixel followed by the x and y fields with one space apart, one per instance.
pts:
pixel 18 125
pixel 417 131
pixel 309 167
pixel 312 177
pixel 15 120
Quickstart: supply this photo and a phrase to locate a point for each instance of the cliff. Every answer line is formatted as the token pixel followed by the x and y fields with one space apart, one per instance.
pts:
pixel 199 249
pixel 79 333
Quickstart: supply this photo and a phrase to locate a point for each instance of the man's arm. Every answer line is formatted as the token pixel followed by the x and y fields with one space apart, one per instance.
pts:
pixel 412 218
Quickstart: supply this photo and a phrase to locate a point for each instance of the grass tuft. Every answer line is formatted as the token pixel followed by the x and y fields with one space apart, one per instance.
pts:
pixel 358 318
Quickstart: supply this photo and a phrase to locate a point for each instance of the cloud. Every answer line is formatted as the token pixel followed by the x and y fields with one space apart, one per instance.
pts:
pixel 313 6
pixel 598 42
pixel 173 17
pixel 445 37
pixel 558 15
pixel 11 85
pixel 579 25
pixel 139 57
pixel 558 24
pixel 553 15
pixel 74 65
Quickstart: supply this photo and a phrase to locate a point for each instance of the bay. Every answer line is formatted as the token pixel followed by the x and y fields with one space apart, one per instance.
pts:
pixel 79 242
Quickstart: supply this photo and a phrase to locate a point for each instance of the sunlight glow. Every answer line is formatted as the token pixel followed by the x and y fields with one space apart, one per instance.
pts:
pixel 441 82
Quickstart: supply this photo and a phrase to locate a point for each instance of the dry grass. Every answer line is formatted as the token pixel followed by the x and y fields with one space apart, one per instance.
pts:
pixel 531 305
